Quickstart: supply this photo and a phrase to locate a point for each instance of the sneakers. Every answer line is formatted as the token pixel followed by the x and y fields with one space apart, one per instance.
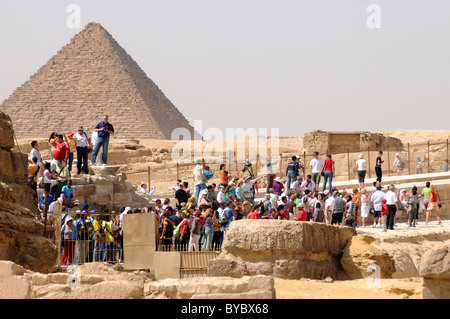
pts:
pixel 379 225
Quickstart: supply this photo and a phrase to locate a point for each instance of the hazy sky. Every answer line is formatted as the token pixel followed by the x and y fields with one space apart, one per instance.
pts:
pixel 288 64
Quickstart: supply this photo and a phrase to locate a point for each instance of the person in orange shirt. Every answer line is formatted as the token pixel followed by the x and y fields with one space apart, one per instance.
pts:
pixel 223 174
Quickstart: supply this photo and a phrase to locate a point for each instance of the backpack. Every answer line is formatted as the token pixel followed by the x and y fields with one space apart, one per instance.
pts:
pixel 223 220
pixel 264 208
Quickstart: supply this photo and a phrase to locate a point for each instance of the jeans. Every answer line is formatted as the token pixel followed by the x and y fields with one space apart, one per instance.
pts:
pixel 291 177
pixel 98 248
pixel 193 242
pixel 101 142
pixel 328 176
pixel 198 189
pixel 207 241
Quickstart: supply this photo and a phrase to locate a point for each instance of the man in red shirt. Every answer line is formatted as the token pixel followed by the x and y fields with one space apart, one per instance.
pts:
pixel 302 215
pixel 254 214
pixel 62 150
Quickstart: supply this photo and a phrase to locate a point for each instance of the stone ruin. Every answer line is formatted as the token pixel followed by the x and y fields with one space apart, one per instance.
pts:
pixel 340 142
pixel 88 78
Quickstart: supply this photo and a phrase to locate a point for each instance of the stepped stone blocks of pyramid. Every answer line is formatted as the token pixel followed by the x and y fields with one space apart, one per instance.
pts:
pixel 88 78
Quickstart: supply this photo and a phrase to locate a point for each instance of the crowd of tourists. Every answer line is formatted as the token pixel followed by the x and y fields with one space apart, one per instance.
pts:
pixel 199 220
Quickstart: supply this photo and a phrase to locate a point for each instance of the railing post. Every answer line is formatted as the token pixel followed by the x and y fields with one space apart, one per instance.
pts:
pixel 368 160
pixel 409 161
pixel 428 155
pixel 348 164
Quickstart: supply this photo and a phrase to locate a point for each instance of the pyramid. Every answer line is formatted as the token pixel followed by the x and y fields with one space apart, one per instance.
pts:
pixel 88 78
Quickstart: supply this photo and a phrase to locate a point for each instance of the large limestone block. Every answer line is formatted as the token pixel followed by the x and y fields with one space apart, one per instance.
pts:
pixel 248 287
pixel 435 270
pixel 284 249
pixel 6 132
pixel 12 283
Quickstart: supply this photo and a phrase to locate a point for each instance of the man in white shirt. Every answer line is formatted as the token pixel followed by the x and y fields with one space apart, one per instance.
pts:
pixel 296 186
pixel 316 167
pixel 392 204
pixel 308 184
pixel 83 147
pixel 247 188
pixel 329 206
pixel 376 198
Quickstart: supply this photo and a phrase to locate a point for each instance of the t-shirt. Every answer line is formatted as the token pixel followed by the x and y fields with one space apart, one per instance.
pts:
pixel 63 172
pixel 62 150
pixel 80 141
pixel 426 192
pixel 318 216
pixel 42 199
pixel 71 142
pixel 376 200
pixel 108 126
pixel 168 234
pixel 81 225
pixel 316 165
pixel 308 185
pixel 433 197
pixel 329 203
pixel 223 178
pixel 302 215
pixel 67 190
pixel 221 197
pixel 361 163
pixel 278 188
pixel 253 215
pixel 32 169
pixel 376 162
pixel 390 197
pixel 329 165
pixel 198 175
pixel 339 205
pixel 182 196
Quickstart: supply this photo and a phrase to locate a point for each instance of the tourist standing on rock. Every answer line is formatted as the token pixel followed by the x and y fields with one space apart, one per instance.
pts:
pixel 376 198
pixel 316 165
pixel 270 176
pixel 104 130
pixel 199 179
pixel 292 171
pixel 63 176
pixel 361 167
pixel 83 148
pixel 36 153
pixel 329 173
pixel 378 171
pixel 392 203
pixel 329 207
pixel 72 142
pixel 223 175
pixel 433 206
pixel 419 165
pixel 62 150
pixel 33 171
pixel 53 141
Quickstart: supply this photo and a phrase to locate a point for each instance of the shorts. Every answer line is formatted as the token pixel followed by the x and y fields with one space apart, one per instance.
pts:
pixel 426 200
pixel 377 213
pixel 337 218
pixel 361 176
pixel 315 177
pixel 432 205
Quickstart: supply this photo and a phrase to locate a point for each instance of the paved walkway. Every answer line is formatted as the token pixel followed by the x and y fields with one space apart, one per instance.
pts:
pixel 402 228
